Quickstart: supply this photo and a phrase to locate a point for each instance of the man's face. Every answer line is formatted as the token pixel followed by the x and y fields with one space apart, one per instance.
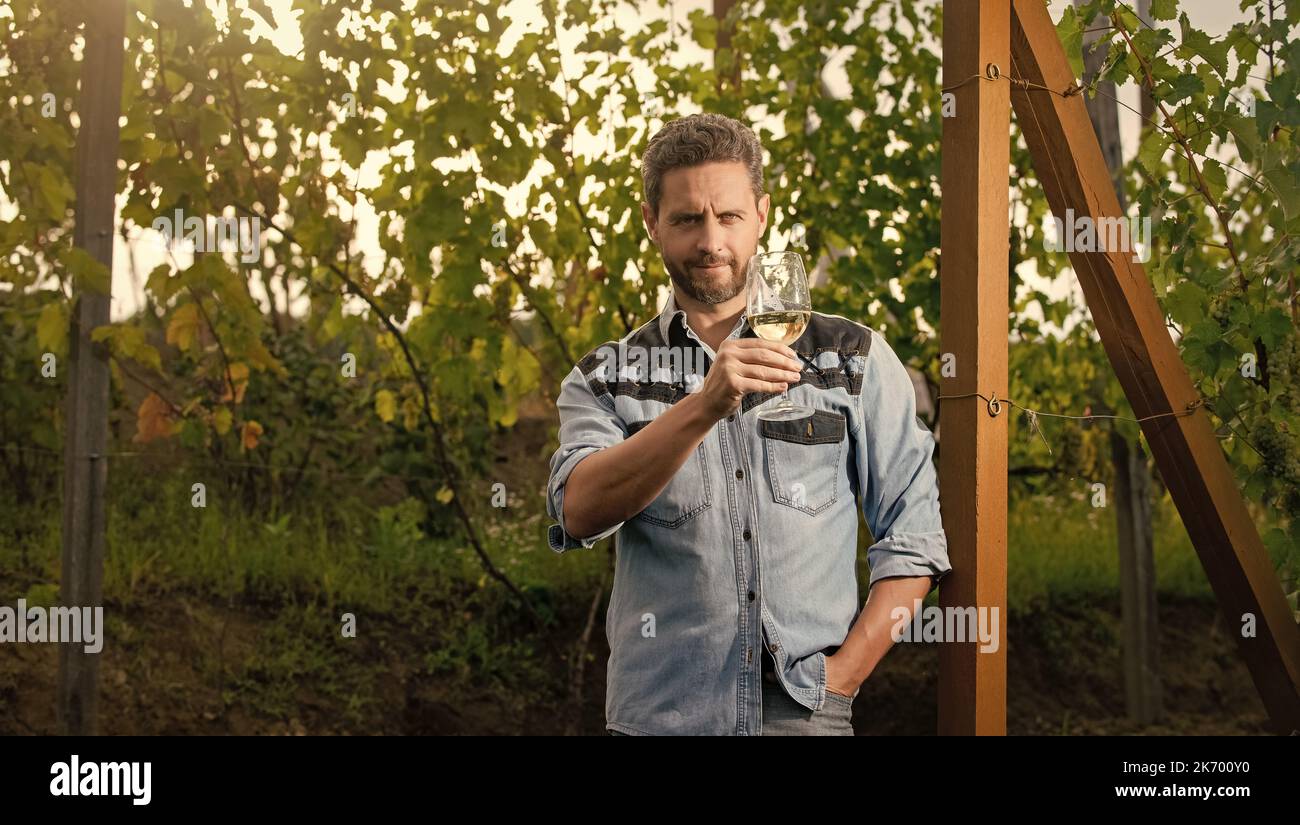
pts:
pixel 708 228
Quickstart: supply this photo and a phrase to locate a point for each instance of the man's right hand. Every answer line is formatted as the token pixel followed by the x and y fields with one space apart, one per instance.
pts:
pixel 615 483
pixel 746 365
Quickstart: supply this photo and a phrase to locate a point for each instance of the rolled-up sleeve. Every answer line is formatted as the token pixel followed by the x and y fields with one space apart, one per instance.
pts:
pixel 587 424
pixel 900 490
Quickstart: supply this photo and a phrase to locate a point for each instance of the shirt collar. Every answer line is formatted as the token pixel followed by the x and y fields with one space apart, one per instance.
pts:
pixel 671 311
pixel 666 315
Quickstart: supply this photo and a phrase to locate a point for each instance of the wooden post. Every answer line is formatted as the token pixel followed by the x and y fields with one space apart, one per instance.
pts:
pixel 1137 581
pixel 85 470
pixel 1068 161
pixel 974 304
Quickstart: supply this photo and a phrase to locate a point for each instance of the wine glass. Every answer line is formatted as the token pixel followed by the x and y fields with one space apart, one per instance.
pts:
pixel 778 309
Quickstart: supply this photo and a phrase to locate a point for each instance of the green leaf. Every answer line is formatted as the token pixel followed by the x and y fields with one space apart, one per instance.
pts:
pixel 162 284
pixel 1284 88
pixel 128 341
pixel 1199 43
pixel 1235 392
pixel 1215 178
pixel 1243 132
pixel 1283 182
pixel 212 125
pixel 87 272
pixel 1155 143
pixel 1070 30
pixel 52 328
pixel 56 191
pixel 138 211
pixel 1164 9
pixel 704 28
pixel 1245 48
pixel 134 346
pixel 1271 326
pixel 1185 85
pixel 1186 304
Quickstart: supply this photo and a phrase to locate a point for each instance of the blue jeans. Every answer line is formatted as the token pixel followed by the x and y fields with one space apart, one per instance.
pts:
pixel 783 716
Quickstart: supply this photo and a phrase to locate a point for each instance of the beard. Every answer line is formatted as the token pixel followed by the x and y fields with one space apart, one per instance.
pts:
pixel 715 287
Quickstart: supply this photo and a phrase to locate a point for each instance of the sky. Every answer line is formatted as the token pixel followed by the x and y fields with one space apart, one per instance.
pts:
pixel 147 249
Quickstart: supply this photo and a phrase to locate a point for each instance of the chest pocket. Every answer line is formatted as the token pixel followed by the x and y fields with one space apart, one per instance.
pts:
pixel 804 458
pixel 687 493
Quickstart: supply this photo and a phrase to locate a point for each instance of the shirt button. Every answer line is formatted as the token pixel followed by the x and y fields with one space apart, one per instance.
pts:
pixel 731 417
pixel 740 474
pixel 746 535
pixel 751 595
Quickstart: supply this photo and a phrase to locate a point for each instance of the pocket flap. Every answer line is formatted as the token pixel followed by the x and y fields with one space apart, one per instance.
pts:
pixel 824 427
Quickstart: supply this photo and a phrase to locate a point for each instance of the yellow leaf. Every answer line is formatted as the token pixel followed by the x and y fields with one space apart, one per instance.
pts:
pixel 130 341
pixel 239 375
pixel 478 349
pixel 509 416
pixel 221 420
pixel 248 436
pixel 385 405
pixel 444 495
pixel 410 413
pixel 153 420
pixel 184 327
pixel 146 354
pixel 263 359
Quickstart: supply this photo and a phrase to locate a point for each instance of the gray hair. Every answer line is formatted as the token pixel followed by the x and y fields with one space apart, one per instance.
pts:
pixel 697 139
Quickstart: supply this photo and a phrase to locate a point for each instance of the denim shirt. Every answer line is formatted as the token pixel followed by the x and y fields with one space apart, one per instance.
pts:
pixel 754 540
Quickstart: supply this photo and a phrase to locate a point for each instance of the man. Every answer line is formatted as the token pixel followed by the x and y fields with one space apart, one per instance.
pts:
pixel 735 598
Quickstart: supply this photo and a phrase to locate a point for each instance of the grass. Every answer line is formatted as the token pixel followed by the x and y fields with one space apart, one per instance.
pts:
pixel 293 576
pixel 1062 546
pixel 345 553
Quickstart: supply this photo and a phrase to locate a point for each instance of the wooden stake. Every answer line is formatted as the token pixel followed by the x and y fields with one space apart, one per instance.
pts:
pixel 976 158
pixel 85 470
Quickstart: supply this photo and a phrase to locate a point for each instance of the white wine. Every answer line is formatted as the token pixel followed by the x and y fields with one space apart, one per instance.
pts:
pixel 783 327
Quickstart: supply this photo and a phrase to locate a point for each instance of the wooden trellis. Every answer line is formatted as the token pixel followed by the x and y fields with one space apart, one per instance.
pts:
pixel 1015 41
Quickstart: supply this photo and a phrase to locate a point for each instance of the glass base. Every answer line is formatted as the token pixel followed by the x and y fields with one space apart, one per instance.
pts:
pixel 785 413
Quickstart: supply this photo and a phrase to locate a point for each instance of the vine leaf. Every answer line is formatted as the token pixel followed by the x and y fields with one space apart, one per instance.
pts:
pixel 154 420
pixel 248 435
pixel 184 327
